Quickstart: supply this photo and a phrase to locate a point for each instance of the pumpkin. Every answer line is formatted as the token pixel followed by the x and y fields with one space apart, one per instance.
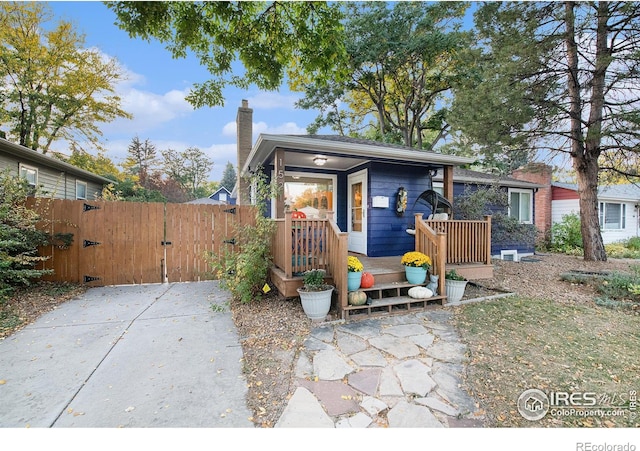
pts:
pixel 357 297
pixel 298 215
pixel 366 281
pixel 420 293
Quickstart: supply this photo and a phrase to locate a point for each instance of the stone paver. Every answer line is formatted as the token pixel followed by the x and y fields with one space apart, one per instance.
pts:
pixel 414 377
pixel 370 357
pixel 400 348
pixel 336 397
pixel 407 415
pixel 304 410
pixel 399 371
pixel 350 344
pixel 405 330
pixel 328 365
pixel 366 381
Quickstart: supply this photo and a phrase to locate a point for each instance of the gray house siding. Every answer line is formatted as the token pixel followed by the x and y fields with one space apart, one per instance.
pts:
pixel 54 178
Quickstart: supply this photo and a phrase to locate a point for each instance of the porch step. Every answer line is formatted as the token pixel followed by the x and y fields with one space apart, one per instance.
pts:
pixel 390 298
pixel 391 305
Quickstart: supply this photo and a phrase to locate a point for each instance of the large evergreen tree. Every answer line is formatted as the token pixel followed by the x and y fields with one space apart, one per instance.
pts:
pixel 228 177
pixel 559 77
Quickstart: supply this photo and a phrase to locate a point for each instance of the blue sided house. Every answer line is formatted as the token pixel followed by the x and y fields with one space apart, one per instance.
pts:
pixel 371 189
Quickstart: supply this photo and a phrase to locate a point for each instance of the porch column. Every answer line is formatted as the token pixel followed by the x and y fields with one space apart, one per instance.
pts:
pixel 447 181
pixel 279 175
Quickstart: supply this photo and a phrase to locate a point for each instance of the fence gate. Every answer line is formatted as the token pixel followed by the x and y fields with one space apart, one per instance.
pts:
pixel 117 243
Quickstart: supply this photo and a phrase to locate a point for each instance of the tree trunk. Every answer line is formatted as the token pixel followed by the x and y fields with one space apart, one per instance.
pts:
pixel 587 174
pixel 585 152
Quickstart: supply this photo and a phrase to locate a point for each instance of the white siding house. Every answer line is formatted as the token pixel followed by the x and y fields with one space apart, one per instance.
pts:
pixel 53 177
pixel 617 207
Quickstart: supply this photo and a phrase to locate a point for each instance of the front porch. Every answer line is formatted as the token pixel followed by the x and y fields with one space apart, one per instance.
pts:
pixel 303 244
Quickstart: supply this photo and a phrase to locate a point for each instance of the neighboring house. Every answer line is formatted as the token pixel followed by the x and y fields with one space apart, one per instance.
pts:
pixel 617 207
pixel 221 197
pixel 520 194
pixel 358 180
pixel 53 177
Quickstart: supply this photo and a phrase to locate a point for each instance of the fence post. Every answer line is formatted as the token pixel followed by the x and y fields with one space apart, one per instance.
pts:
pixel 288 245
pixel 488 239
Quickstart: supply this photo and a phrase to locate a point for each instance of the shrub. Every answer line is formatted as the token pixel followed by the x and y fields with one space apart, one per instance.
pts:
pixel 19 237
pixel 243 271
pixel 474 204
pixel 620 288
pixel 633 243
pixel 566 235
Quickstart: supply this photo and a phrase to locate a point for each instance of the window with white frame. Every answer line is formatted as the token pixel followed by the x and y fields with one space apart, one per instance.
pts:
pixel 30 174
pixel 311 193
pixel 81 190
pixel 612 215
pixel 223 197
pixel 521 205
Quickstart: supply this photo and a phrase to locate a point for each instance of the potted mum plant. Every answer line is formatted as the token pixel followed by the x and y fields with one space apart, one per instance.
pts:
pixel 455 285
pixel 315 294
pixel 354 276
pixel 416 265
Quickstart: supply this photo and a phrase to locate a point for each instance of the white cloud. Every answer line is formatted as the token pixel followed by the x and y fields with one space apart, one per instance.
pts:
pixel 150 110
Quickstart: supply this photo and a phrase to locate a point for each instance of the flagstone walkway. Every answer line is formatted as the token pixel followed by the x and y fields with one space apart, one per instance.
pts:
pixel 400 371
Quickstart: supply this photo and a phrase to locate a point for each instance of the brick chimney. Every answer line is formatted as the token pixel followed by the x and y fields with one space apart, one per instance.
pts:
pixel 244 127
pixel 539 173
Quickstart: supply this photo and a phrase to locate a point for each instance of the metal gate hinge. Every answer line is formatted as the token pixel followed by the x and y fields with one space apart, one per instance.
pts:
pixel 87 243
pixel 231 241
pixel 88 279
pixel 230 210
pixel 87 207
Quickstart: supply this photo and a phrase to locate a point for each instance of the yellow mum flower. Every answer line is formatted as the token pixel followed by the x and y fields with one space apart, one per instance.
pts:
pixel 416 259
pixel 354 264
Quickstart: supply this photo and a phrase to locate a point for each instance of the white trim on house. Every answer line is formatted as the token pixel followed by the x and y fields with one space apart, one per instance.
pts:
pixel 79 195
pixel 523 210
pixel 302 176
pixel 25 170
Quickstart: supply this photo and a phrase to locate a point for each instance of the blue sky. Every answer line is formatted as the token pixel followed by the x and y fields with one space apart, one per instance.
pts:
pixel 155 89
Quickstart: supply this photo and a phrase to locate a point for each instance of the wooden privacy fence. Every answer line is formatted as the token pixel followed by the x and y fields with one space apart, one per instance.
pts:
pixel 116 243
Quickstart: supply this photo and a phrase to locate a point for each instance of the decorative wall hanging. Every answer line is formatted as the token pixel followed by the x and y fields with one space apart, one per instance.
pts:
pixel 401 203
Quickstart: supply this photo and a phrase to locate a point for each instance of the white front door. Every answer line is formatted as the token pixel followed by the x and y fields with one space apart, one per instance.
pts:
pixel 357 212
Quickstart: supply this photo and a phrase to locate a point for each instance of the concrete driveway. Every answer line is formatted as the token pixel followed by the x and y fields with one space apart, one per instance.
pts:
pixel 127 356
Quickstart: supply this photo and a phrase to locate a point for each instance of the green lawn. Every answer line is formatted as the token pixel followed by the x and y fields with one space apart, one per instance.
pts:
pixel 517 344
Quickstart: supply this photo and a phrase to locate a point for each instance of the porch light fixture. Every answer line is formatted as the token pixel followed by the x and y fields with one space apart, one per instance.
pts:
pixel 320 161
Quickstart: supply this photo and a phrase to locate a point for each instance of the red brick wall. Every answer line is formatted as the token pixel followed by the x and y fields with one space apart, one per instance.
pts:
pixel 539 173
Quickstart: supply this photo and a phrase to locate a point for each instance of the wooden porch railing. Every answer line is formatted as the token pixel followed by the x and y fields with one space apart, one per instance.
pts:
pixel 303 244
pixel 467 241
pixel 432 243
pixel 453 242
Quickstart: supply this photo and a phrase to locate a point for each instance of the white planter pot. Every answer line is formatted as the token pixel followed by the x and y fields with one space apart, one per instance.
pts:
pixel 455 289
pixel 316 304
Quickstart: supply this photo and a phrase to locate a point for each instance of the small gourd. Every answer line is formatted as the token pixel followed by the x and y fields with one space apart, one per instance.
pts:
pixel 366 281
pixel 357 297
